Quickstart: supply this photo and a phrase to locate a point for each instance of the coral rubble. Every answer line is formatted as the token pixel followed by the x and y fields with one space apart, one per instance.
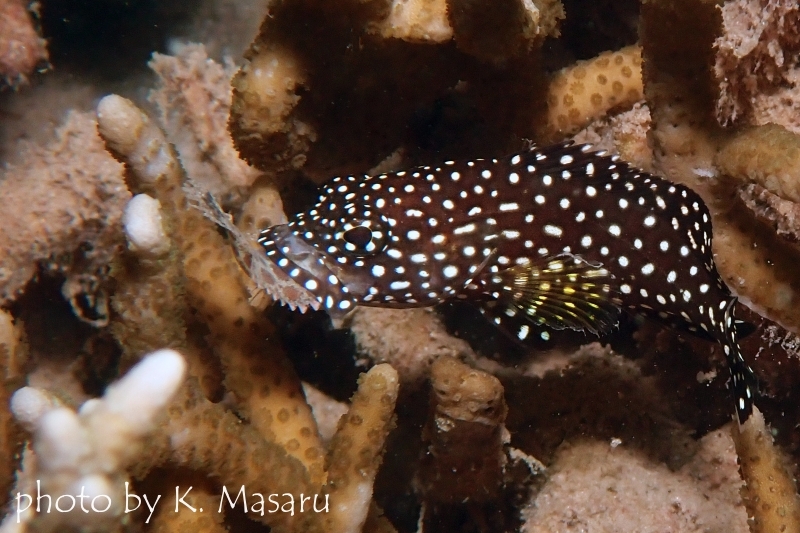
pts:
pixel 591 477
pixel 139 356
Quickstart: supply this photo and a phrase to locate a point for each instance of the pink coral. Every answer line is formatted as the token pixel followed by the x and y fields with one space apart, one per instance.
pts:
pixel 759 45
pixel 21 48
pixel 62 210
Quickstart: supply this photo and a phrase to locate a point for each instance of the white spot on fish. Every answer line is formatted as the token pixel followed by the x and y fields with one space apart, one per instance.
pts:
pixel 467 228
pixel 553 231
pixel 450 271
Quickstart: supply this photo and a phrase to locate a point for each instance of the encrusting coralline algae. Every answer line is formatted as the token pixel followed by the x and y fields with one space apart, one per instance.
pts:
pixel 440 435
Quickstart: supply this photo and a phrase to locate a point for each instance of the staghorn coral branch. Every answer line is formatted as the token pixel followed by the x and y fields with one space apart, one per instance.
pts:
pixel 205 437
pixel 590 89
pixel 257 372
pixel 13 353
pixel 88 452
pixel 770 492
pixel 465 434
pixel 767 155
pixel 149 301
pixel 356 452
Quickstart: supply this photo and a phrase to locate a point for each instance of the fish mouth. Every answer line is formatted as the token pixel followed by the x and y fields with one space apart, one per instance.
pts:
pixel 311 270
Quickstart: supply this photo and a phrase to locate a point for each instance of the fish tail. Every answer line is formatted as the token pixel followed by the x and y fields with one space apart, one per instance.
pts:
pixel 743 382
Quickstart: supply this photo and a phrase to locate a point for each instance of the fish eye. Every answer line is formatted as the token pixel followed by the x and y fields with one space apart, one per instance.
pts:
pixel 363 237
pixel 359 236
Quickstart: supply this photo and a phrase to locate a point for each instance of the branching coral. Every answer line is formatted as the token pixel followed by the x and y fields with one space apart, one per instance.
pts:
pixel 214 286
pixel 84 455
pixel 357 450
pixel 465 433
pixel 591 89
pixel 274 435
pixel 770 492
pixel 12 358
pixel 768 155
pixel 337 88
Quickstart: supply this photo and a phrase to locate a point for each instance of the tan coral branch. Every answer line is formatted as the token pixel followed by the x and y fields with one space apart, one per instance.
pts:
pixel 205 437
pixel 13 352
pixel 769 492
pixel 465 433
pixel 768 155
pixel 588 90
pixel 268 391
pixel 356 452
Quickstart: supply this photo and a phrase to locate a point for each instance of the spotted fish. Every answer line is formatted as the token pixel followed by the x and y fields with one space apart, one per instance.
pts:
pixel 548 239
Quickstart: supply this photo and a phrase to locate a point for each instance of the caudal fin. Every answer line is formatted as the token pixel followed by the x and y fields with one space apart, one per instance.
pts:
pixel 743 381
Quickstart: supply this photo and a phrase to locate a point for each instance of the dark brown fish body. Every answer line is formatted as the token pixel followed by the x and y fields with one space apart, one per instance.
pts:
pixel 547 239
